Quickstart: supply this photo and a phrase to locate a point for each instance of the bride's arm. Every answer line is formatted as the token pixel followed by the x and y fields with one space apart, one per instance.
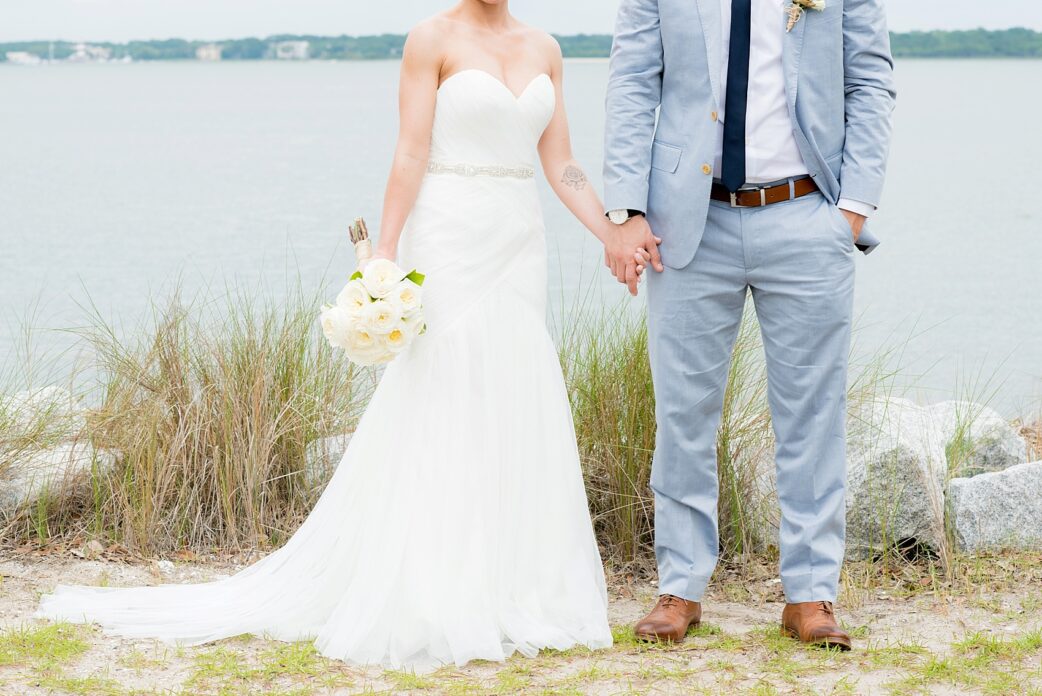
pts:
pixel 417 92
pixel 571 185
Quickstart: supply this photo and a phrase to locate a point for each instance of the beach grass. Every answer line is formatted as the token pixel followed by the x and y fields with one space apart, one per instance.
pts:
pixel 209 408
pixel 604 356
pixel 206 412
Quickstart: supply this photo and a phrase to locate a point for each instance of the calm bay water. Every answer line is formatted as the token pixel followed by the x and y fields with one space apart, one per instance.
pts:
pixel 118 181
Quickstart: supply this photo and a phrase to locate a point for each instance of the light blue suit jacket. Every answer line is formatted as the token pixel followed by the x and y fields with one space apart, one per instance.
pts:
pixel 667 55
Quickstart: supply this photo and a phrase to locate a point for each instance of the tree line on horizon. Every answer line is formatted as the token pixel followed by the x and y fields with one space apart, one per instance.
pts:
pixel 975 43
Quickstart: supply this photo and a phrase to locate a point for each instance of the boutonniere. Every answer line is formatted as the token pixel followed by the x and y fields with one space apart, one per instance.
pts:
pixel 798 7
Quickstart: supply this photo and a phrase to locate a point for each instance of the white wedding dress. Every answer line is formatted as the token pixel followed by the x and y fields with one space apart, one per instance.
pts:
pixel 456 525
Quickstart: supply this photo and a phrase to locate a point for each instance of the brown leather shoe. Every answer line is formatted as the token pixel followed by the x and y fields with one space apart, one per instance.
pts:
pixel 669 620
pixel 814 623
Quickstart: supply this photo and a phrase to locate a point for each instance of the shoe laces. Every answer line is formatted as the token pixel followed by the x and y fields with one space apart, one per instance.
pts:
pixel 826 607
pixel 669 600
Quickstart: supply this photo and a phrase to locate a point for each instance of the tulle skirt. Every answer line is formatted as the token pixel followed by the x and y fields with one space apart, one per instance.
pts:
pixel 456 525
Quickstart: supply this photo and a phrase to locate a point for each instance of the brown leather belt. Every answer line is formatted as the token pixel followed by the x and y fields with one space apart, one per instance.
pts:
pixel 757 197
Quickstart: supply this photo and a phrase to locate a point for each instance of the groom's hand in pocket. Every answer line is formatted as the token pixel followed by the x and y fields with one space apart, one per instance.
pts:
pixel 631 246
pixel 856 222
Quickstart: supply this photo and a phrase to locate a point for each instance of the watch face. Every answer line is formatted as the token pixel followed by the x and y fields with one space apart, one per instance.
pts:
pixel 619 216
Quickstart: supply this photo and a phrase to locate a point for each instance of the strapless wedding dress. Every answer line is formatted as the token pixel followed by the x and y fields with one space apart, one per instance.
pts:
pixel 456 525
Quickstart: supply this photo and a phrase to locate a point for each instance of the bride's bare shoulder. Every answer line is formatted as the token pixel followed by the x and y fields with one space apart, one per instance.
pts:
pixel 546 44
pixel 541 40
pixel 427 31
pixel 428 37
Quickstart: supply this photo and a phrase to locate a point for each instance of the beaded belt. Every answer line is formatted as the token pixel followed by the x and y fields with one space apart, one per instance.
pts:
pixel 475 170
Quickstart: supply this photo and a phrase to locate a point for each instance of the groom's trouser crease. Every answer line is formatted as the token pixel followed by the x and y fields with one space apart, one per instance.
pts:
pixel 797 258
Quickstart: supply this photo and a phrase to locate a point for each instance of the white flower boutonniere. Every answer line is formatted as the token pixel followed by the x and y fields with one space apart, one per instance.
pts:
pixel 798 7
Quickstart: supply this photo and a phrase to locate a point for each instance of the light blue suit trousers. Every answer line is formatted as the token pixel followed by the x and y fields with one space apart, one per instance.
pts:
pixel 797 258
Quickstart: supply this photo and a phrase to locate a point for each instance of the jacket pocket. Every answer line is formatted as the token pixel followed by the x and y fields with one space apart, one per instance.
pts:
pixel 665 157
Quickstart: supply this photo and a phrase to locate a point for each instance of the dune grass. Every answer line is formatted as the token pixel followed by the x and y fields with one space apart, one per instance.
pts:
pixel 605 363
pixel 1032 432
pixel 209 408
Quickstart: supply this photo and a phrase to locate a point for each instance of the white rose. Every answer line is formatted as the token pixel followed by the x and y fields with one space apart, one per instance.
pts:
pixel 414 323
pixel 365 348
pixel 376 356
pixel 399 339
pixel 371 358
pixel 381 317
pixel 407 295
pixel 337 326
pixel 360 338
pixel 380 276
pixel 354 297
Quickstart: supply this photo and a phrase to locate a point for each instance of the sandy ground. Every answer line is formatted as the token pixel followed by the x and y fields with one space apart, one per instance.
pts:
pixel 905 643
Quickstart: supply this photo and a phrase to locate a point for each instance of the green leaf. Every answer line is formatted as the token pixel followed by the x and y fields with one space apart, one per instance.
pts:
pixel 356 275
pixel 416 277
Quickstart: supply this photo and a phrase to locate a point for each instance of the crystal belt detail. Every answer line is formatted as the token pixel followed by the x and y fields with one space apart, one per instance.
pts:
pixel 464 169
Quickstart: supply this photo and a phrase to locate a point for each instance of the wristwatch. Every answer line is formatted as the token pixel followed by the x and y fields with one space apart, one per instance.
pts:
pixel 620 216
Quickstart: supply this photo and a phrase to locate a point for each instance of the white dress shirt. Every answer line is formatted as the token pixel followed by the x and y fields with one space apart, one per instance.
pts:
pixel 771 152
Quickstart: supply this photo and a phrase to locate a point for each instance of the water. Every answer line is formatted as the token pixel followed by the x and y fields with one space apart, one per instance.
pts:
pixel 119 181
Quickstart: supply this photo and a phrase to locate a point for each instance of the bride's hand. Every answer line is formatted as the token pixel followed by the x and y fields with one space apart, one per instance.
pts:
pixel 629 248
pixel 378 254
pixel 643 258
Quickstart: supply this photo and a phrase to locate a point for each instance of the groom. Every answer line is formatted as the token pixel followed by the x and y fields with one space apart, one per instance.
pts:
pixel 766 160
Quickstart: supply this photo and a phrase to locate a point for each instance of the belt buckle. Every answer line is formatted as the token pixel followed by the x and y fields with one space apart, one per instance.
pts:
pixel 763 198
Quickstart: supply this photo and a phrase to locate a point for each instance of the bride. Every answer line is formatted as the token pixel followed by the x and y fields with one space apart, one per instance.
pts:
pixel 456 526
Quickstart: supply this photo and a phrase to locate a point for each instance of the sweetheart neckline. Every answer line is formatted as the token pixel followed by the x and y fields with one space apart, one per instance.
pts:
pixel 517 97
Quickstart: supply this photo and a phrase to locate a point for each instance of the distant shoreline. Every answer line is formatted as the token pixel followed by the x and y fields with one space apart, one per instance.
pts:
pixel 569 59
pixel 975 43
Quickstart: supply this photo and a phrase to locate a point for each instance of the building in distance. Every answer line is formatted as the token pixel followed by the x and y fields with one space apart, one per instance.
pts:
pixel 292 50
pixel 208 52
pixel 85 53
pixel 22 58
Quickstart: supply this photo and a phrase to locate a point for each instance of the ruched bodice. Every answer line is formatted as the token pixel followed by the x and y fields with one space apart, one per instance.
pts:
pixel 478 120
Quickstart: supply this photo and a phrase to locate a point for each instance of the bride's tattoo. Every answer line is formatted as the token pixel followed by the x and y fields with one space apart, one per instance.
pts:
pixel 574 177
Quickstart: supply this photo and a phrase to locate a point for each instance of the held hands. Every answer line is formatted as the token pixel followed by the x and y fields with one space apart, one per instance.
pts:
pixel 628 250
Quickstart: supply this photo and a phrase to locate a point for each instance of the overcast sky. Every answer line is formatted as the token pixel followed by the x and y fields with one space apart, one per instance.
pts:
pixel 121 20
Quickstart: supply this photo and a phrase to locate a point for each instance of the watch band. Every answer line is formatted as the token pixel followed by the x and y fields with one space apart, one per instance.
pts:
pixel 630 211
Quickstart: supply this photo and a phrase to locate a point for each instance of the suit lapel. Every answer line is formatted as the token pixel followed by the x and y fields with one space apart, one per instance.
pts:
pixel 709 12
pixel 791 53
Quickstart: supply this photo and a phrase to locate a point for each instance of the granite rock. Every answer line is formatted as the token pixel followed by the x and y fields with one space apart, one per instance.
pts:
pixel 977 439
pixel 896 470
pixel 35 472
pixel 998 510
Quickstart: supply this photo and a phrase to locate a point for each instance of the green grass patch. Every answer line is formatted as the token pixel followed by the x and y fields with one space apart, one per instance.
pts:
pixel 84 686
pixel 42 647
pixel 224 669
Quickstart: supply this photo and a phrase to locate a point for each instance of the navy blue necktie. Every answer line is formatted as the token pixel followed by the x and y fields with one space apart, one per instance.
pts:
pixel 733 174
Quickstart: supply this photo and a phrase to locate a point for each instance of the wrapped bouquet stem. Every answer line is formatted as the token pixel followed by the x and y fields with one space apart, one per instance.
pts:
pixel 359 235
pixel 379 313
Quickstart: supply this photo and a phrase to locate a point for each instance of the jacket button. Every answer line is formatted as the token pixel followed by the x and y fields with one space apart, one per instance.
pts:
pixel 706 169
pixel 713 115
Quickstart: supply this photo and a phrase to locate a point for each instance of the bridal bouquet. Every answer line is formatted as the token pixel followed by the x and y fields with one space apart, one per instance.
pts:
pixel 378 314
